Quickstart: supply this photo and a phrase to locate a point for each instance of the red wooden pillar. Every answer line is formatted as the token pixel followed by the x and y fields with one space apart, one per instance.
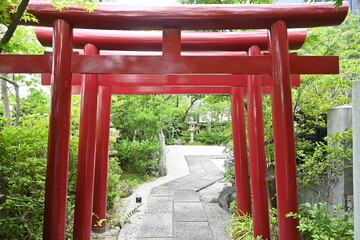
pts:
pixel 86 154
pixel 59 133
pixel 283 126
pixel 240 150
pixel 101 159
pixel 259 188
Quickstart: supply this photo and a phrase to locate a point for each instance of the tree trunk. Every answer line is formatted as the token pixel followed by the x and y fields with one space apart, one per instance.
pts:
pixel 5 102
pixel 5 99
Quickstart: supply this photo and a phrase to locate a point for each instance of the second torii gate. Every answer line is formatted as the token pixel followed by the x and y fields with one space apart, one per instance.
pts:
pixel 279 64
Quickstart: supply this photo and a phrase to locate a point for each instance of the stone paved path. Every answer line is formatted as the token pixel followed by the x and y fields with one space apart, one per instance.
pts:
pixel 174 210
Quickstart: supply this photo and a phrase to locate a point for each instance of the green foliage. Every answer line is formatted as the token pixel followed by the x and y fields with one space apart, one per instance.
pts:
pixel 241 227
pixel 133 180
pixel 89 5
pixel 328 160
pixel 229 175
pixel 317 223
pixel 22 171
pixel 215 114
pixel 113 192
pixel 136 156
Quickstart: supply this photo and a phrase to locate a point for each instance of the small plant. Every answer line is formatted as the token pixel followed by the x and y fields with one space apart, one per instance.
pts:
pixel 241 227
pixel 129 215
pixel 317 223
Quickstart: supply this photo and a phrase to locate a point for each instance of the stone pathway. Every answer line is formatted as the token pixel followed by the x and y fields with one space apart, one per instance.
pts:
pixel 174 210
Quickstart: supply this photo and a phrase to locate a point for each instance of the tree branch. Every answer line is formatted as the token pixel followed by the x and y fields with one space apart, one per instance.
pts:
pixel 15 84
pixel 14 23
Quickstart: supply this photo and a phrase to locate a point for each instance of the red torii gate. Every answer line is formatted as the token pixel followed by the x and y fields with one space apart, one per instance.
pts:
pixel 279 64
pixel 138 86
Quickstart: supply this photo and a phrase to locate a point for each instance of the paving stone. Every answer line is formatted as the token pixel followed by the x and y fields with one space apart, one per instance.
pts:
pixel 199 172
pixel 212 177
pixel 199 183
pixel 159 191
pixel 189 212
pixel 188 188
pixel 159 204
pixel 154 238
pixel 188 178
pixel 156 225
pixel 172 184
pixel 192 231
pixel 185 196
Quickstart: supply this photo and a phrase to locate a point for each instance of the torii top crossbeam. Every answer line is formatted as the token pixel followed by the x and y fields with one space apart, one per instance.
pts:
pixel 191 17
pixel 152 41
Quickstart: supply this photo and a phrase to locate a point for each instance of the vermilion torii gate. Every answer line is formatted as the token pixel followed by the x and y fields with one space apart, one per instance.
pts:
pixel 137 84
pixel 279 64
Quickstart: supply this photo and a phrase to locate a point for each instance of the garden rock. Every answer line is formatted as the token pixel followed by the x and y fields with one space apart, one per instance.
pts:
pixel 178 142
pixel 226 197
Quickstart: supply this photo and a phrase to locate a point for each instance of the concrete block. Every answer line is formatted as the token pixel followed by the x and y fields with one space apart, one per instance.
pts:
pixel 185 196
pixel 172 184
pixel 159 191
pixel 199 183
pixel 192 231
pixel 159 205
pixel 156 225
pixel 189 212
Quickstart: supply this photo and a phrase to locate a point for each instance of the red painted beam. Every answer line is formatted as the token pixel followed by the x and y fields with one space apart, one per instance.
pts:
pixel 190 41
pixel 191 17
pixel 169 65
pixel 171 90
pixel 24 63
pixel 174 80
pixel 200 64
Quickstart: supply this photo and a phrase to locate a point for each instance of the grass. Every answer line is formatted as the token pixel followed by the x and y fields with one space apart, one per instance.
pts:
pixel 133 180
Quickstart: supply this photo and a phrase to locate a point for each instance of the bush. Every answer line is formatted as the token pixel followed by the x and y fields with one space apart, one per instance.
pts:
pixel 136 156
pixel 22 178
pixel 317 223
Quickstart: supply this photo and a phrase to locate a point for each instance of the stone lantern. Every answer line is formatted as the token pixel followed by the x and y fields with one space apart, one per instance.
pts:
pixel 191 129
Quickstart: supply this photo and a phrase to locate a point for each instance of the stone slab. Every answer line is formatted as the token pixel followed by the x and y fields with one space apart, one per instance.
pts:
pixel 154 238
pixel 185 196
pixel 192 231
pixel 199 183
pixel 159 191
pixel 156 225
pixel 188 188
pixel 172 184
pixel 159 204
pixel 189 212
pixel 212 177
pixel 188 178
